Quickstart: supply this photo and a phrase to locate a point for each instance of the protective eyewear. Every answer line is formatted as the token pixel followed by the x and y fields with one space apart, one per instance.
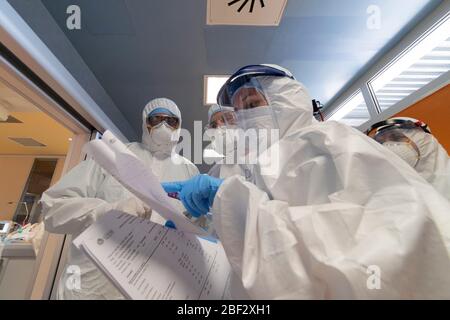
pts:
pixel 222 119
pixel 244 76
pixel 248 96
pixel 155 120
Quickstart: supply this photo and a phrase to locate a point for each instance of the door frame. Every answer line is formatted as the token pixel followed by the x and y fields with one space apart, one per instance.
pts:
pixel 51 248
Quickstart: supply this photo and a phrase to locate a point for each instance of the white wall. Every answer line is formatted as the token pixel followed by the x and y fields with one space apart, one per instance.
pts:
pixel 14 172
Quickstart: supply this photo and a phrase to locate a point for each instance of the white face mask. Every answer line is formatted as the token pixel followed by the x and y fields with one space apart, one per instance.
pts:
pixel 404 150
pixel 161 138
pixel 261 120
pixel 256 118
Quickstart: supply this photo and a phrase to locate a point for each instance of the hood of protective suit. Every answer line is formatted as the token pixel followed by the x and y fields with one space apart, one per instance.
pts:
pixel 290 102
pixel 216 108
pixel 434 163
pixel 160 148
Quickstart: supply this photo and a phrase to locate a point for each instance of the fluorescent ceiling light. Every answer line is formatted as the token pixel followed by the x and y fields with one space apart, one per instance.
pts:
pixel 417 63
pixel 408 82
pixel 445 44
pixel 353 111
pixel 416 76
pixel 394 94
pixel 414 54
pixel 212 85
pixel 428 69
pixel 400 88
pixel 434 61
pixel 439 53
pixel 389 99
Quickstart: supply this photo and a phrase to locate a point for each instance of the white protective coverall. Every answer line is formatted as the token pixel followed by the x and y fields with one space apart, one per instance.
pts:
pixel 434 163
pixel 339 219
pixel 224 168
pixel 87 192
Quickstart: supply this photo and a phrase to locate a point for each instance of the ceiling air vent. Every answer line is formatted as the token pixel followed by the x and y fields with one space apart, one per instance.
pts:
pixel 11 119
pixel 27 142
pixel 245 12
pixel 242 3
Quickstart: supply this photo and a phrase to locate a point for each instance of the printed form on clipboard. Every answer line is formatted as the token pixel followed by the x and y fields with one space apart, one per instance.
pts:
pixel 147 261
pixel 114 156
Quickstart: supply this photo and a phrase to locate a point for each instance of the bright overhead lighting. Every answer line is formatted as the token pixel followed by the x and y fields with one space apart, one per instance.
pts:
pixel 400 88
pixel 408 82
pixel 429 69
pixel 445 44
pixel 417 63
pixel 212 85
pixel 434 61
pixel 439 54
pixel 417 76
pixel 394 94
pixel 389 99
pixel 353 111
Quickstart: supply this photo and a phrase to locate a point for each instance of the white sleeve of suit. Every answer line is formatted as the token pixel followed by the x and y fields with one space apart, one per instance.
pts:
pixel 192 169
pixel 370 239
pixel 71 205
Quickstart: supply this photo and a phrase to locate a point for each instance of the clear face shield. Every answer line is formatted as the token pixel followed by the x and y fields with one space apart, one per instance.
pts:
pixel 394 139
pixel 249 101
pixel 222 118
pixel 221 132
pixel 254 117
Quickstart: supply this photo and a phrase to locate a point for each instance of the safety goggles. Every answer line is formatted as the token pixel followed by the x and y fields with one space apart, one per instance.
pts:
pixel 243 78
pixel 155 120
pixel 222 118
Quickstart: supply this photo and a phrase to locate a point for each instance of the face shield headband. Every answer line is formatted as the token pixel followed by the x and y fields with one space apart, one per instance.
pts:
pixel 243 76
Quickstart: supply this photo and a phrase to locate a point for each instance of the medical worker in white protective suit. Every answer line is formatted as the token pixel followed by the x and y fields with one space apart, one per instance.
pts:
pixel 87 192
pixel 221 129
pixel 413 141
pixel 330 214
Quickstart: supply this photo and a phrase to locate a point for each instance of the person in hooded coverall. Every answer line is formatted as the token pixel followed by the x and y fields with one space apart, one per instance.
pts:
pixel 336 217
pixel 221 129
pixel 413 141
pixel 87 192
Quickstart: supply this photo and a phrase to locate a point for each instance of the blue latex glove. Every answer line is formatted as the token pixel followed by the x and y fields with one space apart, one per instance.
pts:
pixel 197 194
pixel 170 224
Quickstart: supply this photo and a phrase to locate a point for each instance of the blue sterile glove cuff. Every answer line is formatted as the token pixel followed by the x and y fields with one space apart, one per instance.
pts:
pixel 170 224
pixel 197 194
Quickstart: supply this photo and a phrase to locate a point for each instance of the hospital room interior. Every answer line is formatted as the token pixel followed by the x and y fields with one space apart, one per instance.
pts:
pixel 272 149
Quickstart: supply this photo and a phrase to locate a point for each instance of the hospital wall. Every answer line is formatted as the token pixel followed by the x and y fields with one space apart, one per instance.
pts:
pixel 434 110
pixel 14 172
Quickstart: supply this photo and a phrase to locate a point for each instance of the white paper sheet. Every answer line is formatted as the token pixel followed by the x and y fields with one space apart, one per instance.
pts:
pixel 148 261
pixel 113 156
